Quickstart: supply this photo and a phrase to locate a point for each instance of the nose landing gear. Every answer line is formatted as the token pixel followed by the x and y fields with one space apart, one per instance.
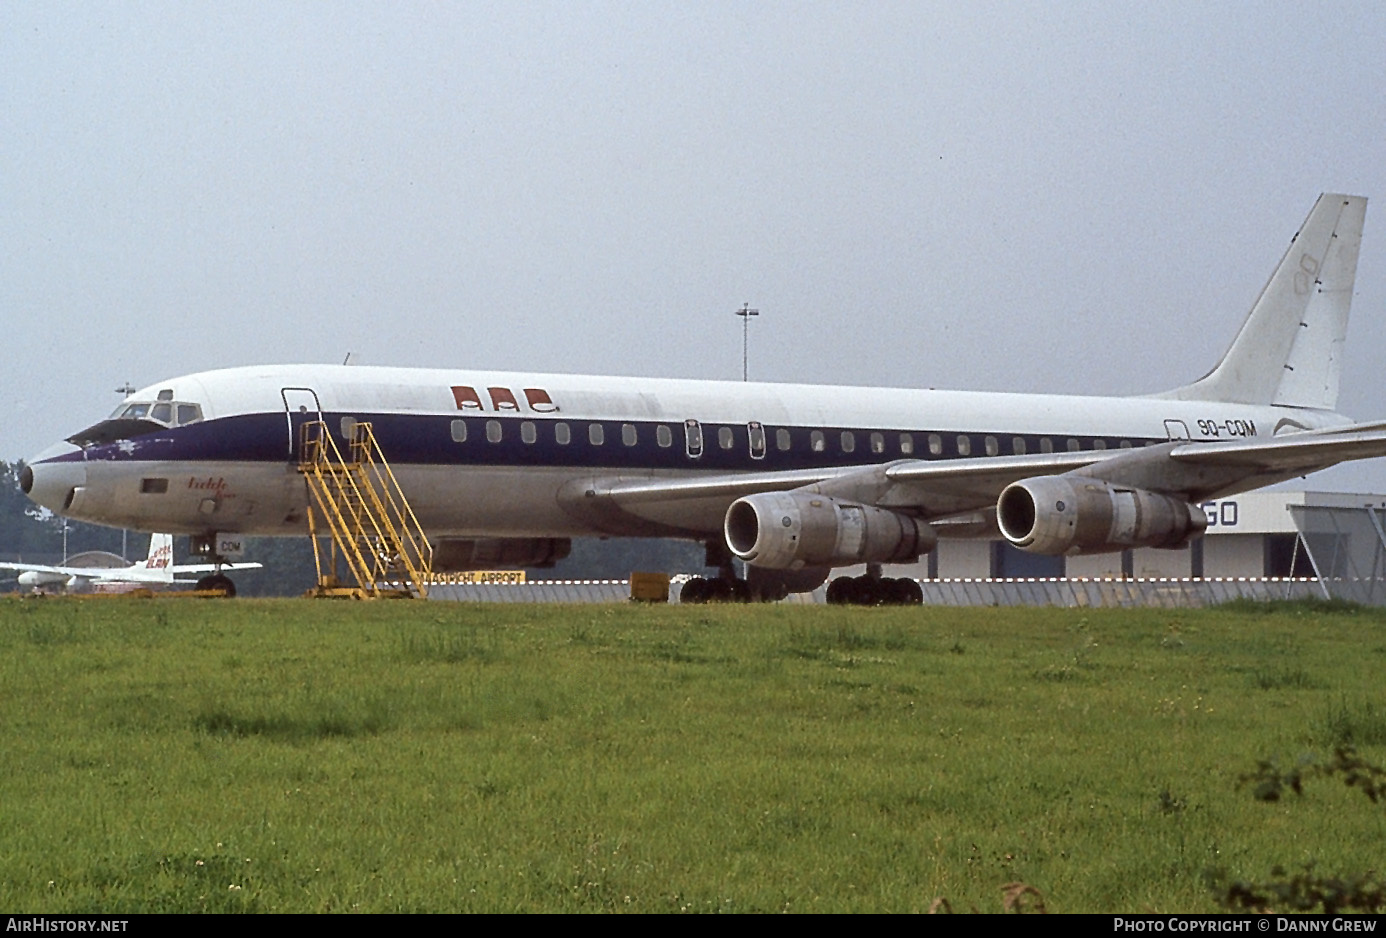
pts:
pixel 217 582
pixel 213 584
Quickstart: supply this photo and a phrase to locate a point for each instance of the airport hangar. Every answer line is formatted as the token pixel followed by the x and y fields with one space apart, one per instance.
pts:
pixel 1255 534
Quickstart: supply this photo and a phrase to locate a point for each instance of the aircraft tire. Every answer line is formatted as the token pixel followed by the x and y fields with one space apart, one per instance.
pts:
pixel 720 591
pixel 901 592
pixel 866 591
pixel 840 591
pixel 695 591
pixel 740 591
pixel 218 581
pixel 909 593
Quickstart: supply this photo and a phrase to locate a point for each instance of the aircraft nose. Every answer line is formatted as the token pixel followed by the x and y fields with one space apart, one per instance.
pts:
pixel 51 478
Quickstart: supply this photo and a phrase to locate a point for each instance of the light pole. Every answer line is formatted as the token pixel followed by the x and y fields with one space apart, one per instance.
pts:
pixel 745 312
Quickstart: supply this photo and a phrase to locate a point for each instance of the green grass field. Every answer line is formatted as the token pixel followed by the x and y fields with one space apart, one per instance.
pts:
pixel 176 755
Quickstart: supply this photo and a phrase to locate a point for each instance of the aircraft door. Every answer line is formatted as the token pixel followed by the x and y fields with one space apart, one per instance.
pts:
pixel 301 406
pixel 693 436
pixel 755 432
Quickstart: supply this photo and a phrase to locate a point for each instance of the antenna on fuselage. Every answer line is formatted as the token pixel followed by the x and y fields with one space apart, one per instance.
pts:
pixel 126 389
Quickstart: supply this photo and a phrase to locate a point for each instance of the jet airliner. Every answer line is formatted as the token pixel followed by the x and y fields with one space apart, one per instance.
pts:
pixel 794 480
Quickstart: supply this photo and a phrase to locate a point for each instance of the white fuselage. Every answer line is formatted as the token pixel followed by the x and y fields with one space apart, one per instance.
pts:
pixel 490 454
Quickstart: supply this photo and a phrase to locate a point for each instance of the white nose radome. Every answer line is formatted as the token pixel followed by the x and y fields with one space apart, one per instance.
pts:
pixel 52 481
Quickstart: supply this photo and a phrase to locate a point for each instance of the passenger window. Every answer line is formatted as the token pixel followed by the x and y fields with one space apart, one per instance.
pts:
pixel 1125 444
pixel 935 444
pixel 1073 446
pixel 782 440
pixel 595 435
pixel 964 445
pixel 849 442
pixel 664 436
pixel 1046 445
pixel 459 431
pixel 725 438
pixel 561 434
pixel 1018 445
pixel 527 431
pixel 349 428
pixel 1099 444
pixel 906 444
pixel 878 443
pixel 493 431
pixel 993 448
pixel 628 434
pixel 816 441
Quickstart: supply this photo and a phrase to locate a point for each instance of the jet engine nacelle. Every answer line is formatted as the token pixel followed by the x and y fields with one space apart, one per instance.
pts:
pixel 1073 515
pixel 793 530
pixel 455 555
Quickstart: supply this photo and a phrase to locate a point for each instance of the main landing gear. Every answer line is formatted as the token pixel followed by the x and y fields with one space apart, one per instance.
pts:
pixel 726 587
pixel 869 589
pixel 701 589
pixel 872 589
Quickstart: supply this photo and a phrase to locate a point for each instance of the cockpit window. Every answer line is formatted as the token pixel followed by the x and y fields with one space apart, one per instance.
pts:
pixel 168 413
pixel 136 418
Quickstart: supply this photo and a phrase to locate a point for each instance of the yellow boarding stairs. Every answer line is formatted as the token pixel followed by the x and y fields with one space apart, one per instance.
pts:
pixel 373 529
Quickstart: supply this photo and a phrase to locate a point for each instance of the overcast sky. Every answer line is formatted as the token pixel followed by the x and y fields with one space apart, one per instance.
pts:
pixel 1068 197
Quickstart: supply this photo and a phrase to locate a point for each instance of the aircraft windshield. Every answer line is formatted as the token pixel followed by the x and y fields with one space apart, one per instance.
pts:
pixel 168 413
pixel 136 418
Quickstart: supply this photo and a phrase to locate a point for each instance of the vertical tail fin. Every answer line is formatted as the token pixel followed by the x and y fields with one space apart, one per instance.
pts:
pixel 1289 350
pixel 160 557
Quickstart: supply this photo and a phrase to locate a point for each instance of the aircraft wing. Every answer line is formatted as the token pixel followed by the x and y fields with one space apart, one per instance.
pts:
pixel 133 574
pixel 84 572
pixel 950 485
pixel 933 489
pixel 211 567
pixel 929 489
pixel 1296 453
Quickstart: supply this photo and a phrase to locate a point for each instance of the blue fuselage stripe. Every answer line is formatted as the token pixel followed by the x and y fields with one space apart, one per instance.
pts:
pixel 430 439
